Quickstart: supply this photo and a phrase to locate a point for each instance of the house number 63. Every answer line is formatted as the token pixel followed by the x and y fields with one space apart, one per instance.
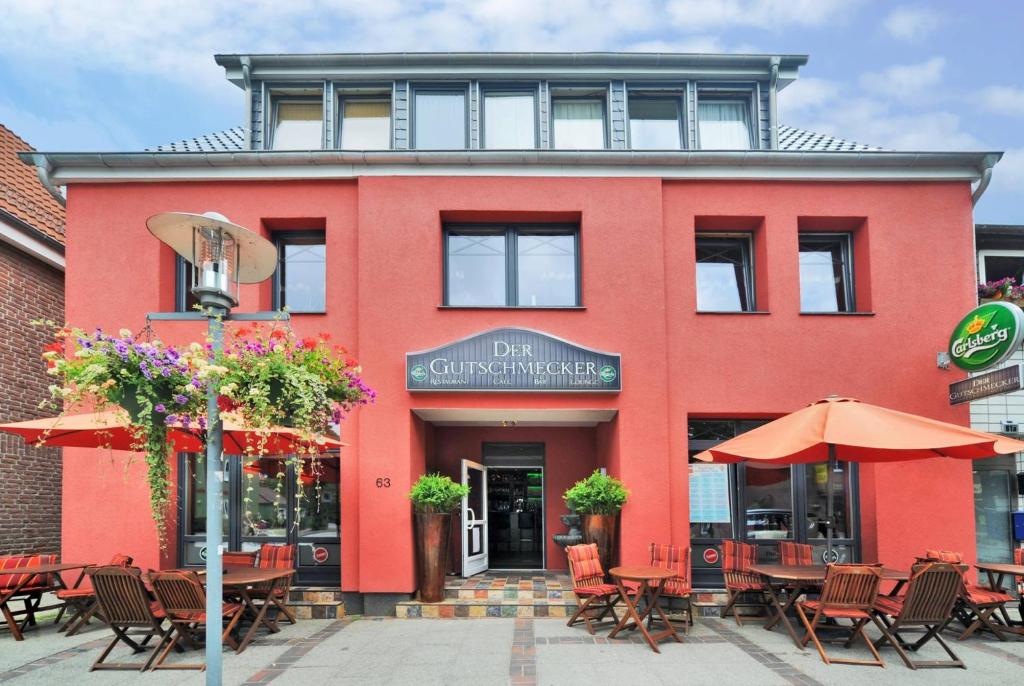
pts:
pixel 383 482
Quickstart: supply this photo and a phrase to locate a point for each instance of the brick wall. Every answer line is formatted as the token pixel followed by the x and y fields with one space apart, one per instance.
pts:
pixel 30 478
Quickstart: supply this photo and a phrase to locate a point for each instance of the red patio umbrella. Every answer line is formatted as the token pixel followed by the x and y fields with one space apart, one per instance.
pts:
pixel 846 429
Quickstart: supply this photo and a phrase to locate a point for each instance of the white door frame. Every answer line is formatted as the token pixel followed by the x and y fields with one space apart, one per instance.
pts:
pixel 474 563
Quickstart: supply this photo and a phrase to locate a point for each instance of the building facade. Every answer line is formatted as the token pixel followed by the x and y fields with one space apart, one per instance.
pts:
pixel 31 288
pixel 547 265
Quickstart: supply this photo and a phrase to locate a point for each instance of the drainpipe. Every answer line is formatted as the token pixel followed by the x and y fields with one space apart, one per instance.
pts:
pixel 247 80
pixel 43 169
pixel 986 178
pixel 773 104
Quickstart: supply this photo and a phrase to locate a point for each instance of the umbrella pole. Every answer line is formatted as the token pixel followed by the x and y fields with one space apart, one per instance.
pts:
pixel 214 533
pixel 830 505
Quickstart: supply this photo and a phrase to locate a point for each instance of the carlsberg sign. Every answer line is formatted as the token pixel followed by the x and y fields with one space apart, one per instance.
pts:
pixel 987 336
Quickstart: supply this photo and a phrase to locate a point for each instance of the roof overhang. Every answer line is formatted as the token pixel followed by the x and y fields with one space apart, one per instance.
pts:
pixel 515 417
pixel 30 241
pixel 69 167
pixel 506 65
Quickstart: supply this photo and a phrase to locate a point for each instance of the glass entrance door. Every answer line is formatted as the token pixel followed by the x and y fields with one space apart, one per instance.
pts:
pixel 474 519
pixel 260 499
pixel 993 491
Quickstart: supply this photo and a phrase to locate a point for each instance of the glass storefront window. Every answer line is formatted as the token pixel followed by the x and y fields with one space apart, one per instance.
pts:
pixel 321 510
pixel 768 501
pixel 264 504
pixel 816 487
pixel 195 500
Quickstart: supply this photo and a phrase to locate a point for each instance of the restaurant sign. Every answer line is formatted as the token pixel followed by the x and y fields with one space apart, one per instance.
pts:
pixel 987 336
pixel 1004 380
pixel 512 359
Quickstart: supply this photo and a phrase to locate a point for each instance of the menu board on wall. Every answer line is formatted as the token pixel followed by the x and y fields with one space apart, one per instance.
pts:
pixel 709 493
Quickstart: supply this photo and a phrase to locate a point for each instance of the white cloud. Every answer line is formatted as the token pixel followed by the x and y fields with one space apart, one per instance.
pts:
pixel 77 127
pixel 1008 100
pixel 905 81
pixel 911 23
pixel 808 94
pixel 687 44
pixel 1009 172
pixel 764 14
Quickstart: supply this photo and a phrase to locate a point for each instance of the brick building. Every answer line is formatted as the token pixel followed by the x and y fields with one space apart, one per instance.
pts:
pixel 31 288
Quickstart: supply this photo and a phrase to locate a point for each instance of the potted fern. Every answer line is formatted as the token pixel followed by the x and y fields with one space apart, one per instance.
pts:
pixel 598 499
pixel 434 498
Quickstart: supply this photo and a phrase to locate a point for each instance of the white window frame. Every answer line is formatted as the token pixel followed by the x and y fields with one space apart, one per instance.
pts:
pixel 982 254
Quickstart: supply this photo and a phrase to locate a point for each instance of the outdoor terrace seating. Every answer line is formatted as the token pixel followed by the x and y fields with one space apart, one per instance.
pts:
pixel 80 600
pixel 128 610
pixel 597 598
pixel 740 583
pixel 850 592
pixel 28 588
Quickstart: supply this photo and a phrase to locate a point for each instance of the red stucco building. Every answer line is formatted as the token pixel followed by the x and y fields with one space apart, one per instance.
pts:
pixel 646 206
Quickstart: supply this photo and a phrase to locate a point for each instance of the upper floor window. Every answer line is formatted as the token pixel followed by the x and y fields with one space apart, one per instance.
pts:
pixel 298 125
pixel 365 123
pixel 300 282
pixel 725 279
pixel 440 120
pixel 994 265
pixel 724 124
pixel 184 300
pixel 512 266
pixel 510 121
pixel 578 123
pixel 826 272
pixel 654 123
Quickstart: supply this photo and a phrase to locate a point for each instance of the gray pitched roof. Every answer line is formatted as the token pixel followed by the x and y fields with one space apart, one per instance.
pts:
pixel 798 140
pixel 790 139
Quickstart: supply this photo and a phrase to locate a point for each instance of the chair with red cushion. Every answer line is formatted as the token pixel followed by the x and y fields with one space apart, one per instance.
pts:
pixel 235 558
pixel 740 583
pixel 932 593
pixel 796 554
pixel 81 599
pixel 678 588
pixel 597 599
pixel 277 557
pixel 28 588
pixel 849 592
pixel 126 607
pixel 182 598
pixel 977 604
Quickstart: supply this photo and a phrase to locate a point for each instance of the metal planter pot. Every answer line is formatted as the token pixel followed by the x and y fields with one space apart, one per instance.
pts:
pixel 600 529
pixel 433 532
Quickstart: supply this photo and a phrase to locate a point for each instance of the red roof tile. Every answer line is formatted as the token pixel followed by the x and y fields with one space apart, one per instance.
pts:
pixel 22 194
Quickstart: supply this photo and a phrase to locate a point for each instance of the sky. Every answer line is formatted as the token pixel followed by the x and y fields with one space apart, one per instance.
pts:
pixel 917 75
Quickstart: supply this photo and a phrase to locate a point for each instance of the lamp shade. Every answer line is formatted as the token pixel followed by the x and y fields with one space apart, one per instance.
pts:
pixel 257 257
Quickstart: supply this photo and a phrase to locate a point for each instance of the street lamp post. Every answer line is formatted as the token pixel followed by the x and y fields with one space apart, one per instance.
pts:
pixel 223 255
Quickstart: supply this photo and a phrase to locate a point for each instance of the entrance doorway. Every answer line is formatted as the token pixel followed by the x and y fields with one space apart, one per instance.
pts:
pixel 995 497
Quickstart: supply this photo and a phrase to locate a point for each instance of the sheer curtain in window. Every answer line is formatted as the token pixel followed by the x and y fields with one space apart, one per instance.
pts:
pixel 440 121
pixel 724 125
pixel 509 122
pixel 299 126
pixel 366 125
pixel 579 125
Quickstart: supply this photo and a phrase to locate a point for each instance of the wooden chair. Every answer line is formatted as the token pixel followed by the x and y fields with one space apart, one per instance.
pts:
pixel 31 593
pixel 125 606
pixel 737 557
pixel 977 605
pixel 850 592
pixel 182 598
pixel 931 594
pixel 678 588
pixel 597 599
pixel 81 600
pixel 797 554
pixel 276 557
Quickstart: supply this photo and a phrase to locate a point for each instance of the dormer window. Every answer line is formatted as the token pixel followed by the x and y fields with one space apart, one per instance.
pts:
pixel 724 124
pixel 298 124
pixel 654 123
pixel 510 120
pixel 440 120
pixel 365 123
pixel 578 117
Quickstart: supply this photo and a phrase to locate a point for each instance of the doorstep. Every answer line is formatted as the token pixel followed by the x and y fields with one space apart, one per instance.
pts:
pixel 316 602
pixel 498 594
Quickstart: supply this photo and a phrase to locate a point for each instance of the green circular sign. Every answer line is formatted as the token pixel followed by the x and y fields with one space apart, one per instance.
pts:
pixel 418 373
pixel 607 373
pixel 987 336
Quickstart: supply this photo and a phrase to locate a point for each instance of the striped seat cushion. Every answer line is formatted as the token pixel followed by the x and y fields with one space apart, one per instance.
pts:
pixel 836 612
pixel 796 553
pixel 744 585
pixel 74 593
pixel 944 556
pixel 277 556
pixel 233 558
pixel 599 589
pixel 37 582
pixel 200 615
pixel 738 556
pixel 677 588
pixel 889 604
pixel 980 595
pixel 585 563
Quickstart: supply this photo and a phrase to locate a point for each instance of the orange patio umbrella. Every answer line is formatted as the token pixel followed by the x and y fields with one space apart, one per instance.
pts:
pixel 110 429
pixel 846 429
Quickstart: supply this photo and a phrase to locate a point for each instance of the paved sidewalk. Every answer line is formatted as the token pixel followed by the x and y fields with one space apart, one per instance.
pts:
pixel 520 651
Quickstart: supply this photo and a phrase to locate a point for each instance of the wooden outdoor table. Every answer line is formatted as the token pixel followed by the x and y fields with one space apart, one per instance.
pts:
pixel 997 573
pixel 243 581
pixel 635 620
pixel 30 572
pixel 800 578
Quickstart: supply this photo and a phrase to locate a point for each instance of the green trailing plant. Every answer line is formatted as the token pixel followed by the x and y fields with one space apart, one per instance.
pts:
pixel 437 494
pixel 598 494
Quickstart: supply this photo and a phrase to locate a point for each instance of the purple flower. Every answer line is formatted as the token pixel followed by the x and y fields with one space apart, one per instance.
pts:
pixel 185 421
pixel 170 419
pixel 202 423
pixel 160 408
pixel 181 399
pixel 196 383
pixel 165 371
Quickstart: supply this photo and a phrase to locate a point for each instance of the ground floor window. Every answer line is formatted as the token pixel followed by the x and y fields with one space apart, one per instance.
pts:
pixel 763 503
pixel 260 497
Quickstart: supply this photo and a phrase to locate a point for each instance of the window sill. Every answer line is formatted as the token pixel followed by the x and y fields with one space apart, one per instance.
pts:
pixel 511 307
pixel 837 314
pixel 733 312
pixel 319 313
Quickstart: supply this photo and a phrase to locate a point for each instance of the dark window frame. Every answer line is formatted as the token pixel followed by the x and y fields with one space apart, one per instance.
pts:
pixel 342 97
pixel 282 238
pixel 747 97
pixel 567 96
pixel 712 578
pixel 746 240
pixel 183 271
pixel 499 90
pixel 460 88
pixel 844 240
pixel 511 233
pixel 678 98
pixel 275 103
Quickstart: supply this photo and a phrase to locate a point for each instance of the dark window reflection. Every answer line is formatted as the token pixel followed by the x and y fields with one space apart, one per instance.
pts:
pixel 816 484
pixel 321 507
pixel 302 272
pixel 768 501
pixel 264 498
pixel 476 269
pixel 195 498
pixel 546 270
pixel 724 278
pixel 825 273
